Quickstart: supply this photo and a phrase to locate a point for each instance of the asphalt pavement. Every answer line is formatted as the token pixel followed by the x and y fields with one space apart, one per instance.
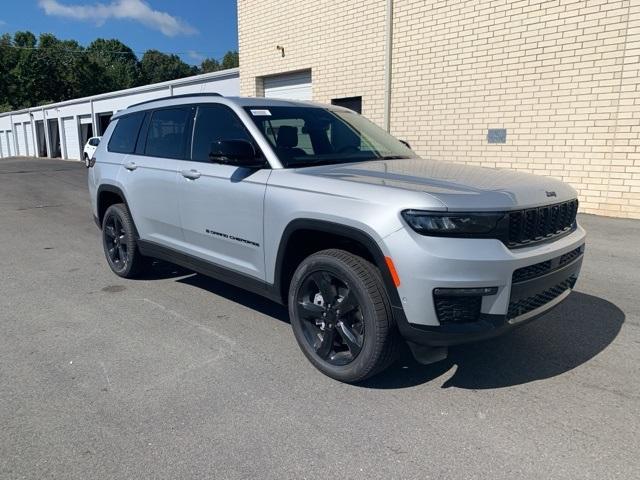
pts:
pixel 179 376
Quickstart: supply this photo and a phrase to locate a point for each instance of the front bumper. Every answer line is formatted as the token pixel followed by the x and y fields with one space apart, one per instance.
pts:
pixel 467 263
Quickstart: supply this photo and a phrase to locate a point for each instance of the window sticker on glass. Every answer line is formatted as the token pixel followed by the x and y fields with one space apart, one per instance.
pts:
pixel 261 113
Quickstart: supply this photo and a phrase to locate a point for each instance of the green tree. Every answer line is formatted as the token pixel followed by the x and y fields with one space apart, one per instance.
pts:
pixel 35 71
pixel 231 59
pixel 24 39
pixel 8 59
pixel 159 67
pixel 117 63
pixel 209 65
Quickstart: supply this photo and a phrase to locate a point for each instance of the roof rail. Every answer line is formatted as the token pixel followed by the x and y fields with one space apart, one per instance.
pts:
pixel 171 97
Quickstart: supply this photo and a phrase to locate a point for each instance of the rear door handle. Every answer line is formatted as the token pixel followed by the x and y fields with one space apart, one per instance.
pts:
pixel 191 174
pixel 130 166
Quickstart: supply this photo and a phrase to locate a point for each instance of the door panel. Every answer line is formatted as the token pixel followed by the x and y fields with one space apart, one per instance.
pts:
pixel 221 206
pixel 30 145
pixel 221 212
pixel 22 146
pixel 151 186
pixel 3 145
pixel 150 172
pixel 71 138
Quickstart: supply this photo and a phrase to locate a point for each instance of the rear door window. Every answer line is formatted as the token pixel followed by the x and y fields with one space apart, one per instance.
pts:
pixel 167 134
pixel 125 134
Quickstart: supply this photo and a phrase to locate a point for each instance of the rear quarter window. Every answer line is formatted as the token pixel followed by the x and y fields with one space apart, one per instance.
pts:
pixel 125 133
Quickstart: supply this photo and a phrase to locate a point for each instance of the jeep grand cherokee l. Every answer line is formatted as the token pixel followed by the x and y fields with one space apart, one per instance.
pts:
pixel 316 207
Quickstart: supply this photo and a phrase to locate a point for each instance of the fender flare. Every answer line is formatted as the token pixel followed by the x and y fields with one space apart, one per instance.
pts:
pixel 107 187
pixel 349 232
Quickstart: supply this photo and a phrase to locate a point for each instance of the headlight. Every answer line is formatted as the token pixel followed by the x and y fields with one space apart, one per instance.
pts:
pixel 451 224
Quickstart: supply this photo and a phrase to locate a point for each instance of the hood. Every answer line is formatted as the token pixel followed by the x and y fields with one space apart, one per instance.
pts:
pixel 460 187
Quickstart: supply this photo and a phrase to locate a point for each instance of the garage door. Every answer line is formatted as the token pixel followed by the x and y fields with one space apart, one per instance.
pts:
pixel 3 145
pixel 11 148
pixel 22 144
pixel 71 138
pixel 294 86
pixel 30 145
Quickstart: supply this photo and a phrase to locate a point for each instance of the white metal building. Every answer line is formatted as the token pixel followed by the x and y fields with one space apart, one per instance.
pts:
pixel 60 130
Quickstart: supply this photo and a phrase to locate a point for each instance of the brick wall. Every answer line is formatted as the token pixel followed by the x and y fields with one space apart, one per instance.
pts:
pixel 561 76
pixel 341 41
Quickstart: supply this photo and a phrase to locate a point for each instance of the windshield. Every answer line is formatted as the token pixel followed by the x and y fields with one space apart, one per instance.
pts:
pixel 305 136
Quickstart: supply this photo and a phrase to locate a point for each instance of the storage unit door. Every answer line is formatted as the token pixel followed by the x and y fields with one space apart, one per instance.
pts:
pixel 22 144
pixel 11 147
pixel 71 138
pixel 294 86
pixel 31 146
pixel 3 145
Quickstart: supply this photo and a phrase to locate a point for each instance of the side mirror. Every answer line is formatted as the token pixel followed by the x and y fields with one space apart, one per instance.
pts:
pixel 239 153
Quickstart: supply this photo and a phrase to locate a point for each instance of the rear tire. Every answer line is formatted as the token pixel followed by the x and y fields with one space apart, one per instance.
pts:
pixel 341 316
pixel 119 242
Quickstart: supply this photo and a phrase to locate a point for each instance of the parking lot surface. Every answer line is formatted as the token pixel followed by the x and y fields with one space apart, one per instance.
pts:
pixel 179 376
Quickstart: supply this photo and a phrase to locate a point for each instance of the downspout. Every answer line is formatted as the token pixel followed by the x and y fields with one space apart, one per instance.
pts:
pixel 387 65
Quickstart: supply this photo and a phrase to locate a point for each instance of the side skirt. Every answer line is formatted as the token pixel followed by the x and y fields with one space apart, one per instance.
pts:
pixel 246 282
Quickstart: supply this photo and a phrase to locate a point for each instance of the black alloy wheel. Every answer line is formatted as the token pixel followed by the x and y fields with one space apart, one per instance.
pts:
pixel 332 319
pixel 341 316
pixel 115 240
pixel 120 243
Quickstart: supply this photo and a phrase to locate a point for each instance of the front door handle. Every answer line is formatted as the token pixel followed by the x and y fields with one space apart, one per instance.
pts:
pixel 191 174
pixel 130 166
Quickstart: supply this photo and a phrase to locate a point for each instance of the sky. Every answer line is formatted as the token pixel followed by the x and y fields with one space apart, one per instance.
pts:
pixel 194 29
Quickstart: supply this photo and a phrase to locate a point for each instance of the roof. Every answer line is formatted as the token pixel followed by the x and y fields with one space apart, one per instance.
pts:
pixel 216 98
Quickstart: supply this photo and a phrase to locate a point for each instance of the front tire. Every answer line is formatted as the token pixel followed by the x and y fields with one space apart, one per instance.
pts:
pixel 119 242
pixel 341 316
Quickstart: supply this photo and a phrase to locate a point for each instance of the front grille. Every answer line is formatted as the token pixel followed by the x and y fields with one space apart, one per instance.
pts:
pixel 539 269
pixel 456 309
pixel 525 305
pixel 537 224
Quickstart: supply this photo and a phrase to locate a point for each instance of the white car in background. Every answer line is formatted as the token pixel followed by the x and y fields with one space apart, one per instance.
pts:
pixel 90 148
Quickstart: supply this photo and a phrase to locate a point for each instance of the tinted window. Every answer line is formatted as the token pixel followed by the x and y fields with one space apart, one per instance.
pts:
pixel 304 136
pixel 123 139
pixel 214 123
pixel 167 133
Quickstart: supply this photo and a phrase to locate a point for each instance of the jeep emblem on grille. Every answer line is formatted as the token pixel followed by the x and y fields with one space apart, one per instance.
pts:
pixel 550 194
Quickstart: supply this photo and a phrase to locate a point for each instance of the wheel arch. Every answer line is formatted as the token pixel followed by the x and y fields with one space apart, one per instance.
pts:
pixel 109 195
pixel 350 238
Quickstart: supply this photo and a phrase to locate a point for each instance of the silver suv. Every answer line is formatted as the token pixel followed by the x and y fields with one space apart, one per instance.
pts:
pixel 315 207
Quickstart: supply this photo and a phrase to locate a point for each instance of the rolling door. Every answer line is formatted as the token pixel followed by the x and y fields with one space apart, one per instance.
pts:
pixel 22 144
pixel 11 148
pixel 3 145
pixel 31 147
pixel 71 138
pixel 294 86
